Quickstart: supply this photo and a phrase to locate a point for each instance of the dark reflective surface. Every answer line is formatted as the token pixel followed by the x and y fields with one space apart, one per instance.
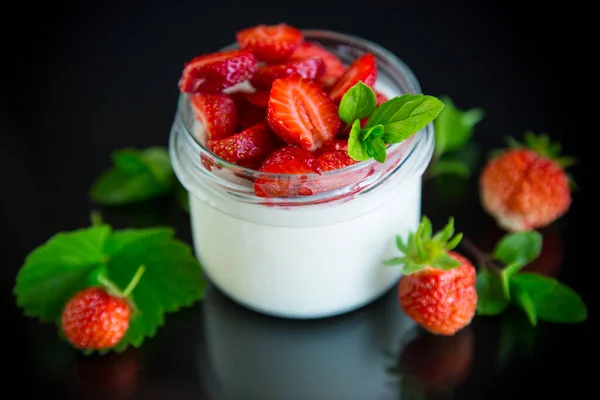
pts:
pixel 82 81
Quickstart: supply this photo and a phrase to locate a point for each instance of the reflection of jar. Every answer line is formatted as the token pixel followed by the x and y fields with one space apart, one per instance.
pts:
pixel 256 357
pixel 317 254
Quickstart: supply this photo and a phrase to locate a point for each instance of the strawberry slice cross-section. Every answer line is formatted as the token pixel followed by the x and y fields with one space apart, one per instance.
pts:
pixel 217 71
pixel 334 67
pixel 299 112
pixel 311 68
pixel 270 43
pixel 217 112
pixel 363 69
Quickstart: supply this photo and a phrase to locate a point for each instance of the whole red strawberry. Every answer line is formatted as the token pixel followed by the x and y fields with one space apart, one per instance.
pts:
pixel 437 289
pixel 526 187
pixel 94 319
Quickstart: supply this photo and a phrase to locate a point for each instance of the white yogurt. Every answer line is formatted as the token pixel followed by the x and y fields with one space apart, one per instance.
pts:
pixel 311 260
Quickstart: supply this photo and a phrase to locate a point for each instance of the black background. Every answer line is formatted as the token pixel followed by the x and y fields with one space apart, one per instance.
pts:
pixel 83 79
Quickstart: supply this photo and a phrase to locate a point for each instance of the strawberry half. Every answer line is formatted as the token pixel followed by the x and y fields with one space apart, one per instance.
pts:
pixel 334 67
pixel 217 112
pixel 299 112
pixel 217 71
pixel 362 69
pixel 267 74
pixel 336 145
pixel 293 160
pixel 259 98
pixel 270 43
pixel 254 143
pixel 336 159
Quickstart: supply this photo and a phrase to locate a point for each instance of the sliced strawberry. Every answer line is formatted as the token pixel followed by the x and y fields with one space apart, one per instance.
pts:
pixel 270 43
pixel 217 71
pixel 259 98
pixel 293 160
pixel 336 145
pixel 380 98
pixel 301 113
pixel 311 68
pixel 217 112
pixel 362 69
pixel 251 144
pixel 250 114
pixel 336 159
pixel 334 67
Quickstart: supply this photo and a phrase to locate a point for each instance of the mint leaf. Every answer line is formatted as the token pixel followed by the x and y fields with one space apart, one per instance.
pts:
pixel 70 261
pixel 356 147
pixel 454 127
pixel 553 301
pixel 522 299
pixel 54 271
pixel 492 299
pixel 518 248
pixel 136 175
pixel 405 115
pixel 357 103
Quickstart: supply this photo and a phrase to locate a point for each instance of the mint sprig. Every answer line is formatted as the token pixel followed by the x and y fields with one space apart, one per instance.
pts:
pixel 392 122
pixel 501 283
pixel 99 256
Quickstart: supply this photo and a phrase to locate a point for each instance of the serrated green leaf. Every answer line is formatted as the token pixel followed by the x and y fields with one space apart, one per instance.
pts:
pixel 172 279
pixel 57 269
pixel 357 103
pixel 405 115
pixel 518 248
pixel 356 146
pixel 522 299
pixel 554 301
pixel 136 175
pixel 492 299
pixel 454 127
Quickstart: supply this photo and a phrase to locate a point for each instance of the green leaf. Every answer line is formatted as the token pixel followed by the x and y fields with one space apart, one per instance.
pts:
pixel 405 115
pixel 136 175
pixel 357 103
pixel 376 149
pixel 553 301
pixel 454 127
pixel 522 299
pixel 450 167
pixel 492 299
pixel 172 277
pixel 57 269
pixel 356 146
pixel 518 248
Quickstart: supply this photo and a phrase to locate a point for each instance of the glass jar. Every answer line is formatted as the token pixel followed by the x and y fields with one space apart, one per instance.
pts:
pixel 319 253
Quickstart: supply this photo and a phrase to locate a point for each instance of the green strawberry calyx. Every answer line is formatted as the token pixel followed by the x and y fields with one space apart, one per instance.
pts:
pixel 543 146
pixel 113 290
pixel 424 248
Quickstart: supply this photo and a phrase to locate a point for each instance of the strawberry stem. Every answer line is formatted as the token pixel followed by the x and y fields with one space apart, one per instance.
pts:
pixel 481 257
pixel 134 281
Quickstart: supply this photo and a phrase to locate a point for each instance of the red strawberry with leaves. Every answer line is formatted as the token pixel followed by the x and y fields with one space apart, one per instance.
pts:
pixel 334 67
pixel 214 72
pixel 270 43
pixel 252 144
pixel 437 289
pixel 299 112
pixel 291 160
pixel 217 112
pixel 526 186
pixel 97 317
pixel 363 69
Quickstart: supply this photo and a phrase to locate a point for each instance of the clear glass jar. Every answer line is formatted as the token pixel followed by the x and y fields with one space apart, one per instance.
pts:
pixel 317 254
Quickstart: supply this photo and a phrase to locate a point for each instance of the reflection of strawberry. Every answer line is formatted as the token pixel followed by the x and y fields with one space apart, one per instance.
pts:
pixel 299 112
pixel 108 376
pixel 526 187
pixel 251 145
pixel 217 112
pixel 438 287
pixel 310 69
pixel 439 363
pixel 270 43
pixel 334 67
pixel 94 319
pixel 363 69
pixel 214 72
pixel 293 160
